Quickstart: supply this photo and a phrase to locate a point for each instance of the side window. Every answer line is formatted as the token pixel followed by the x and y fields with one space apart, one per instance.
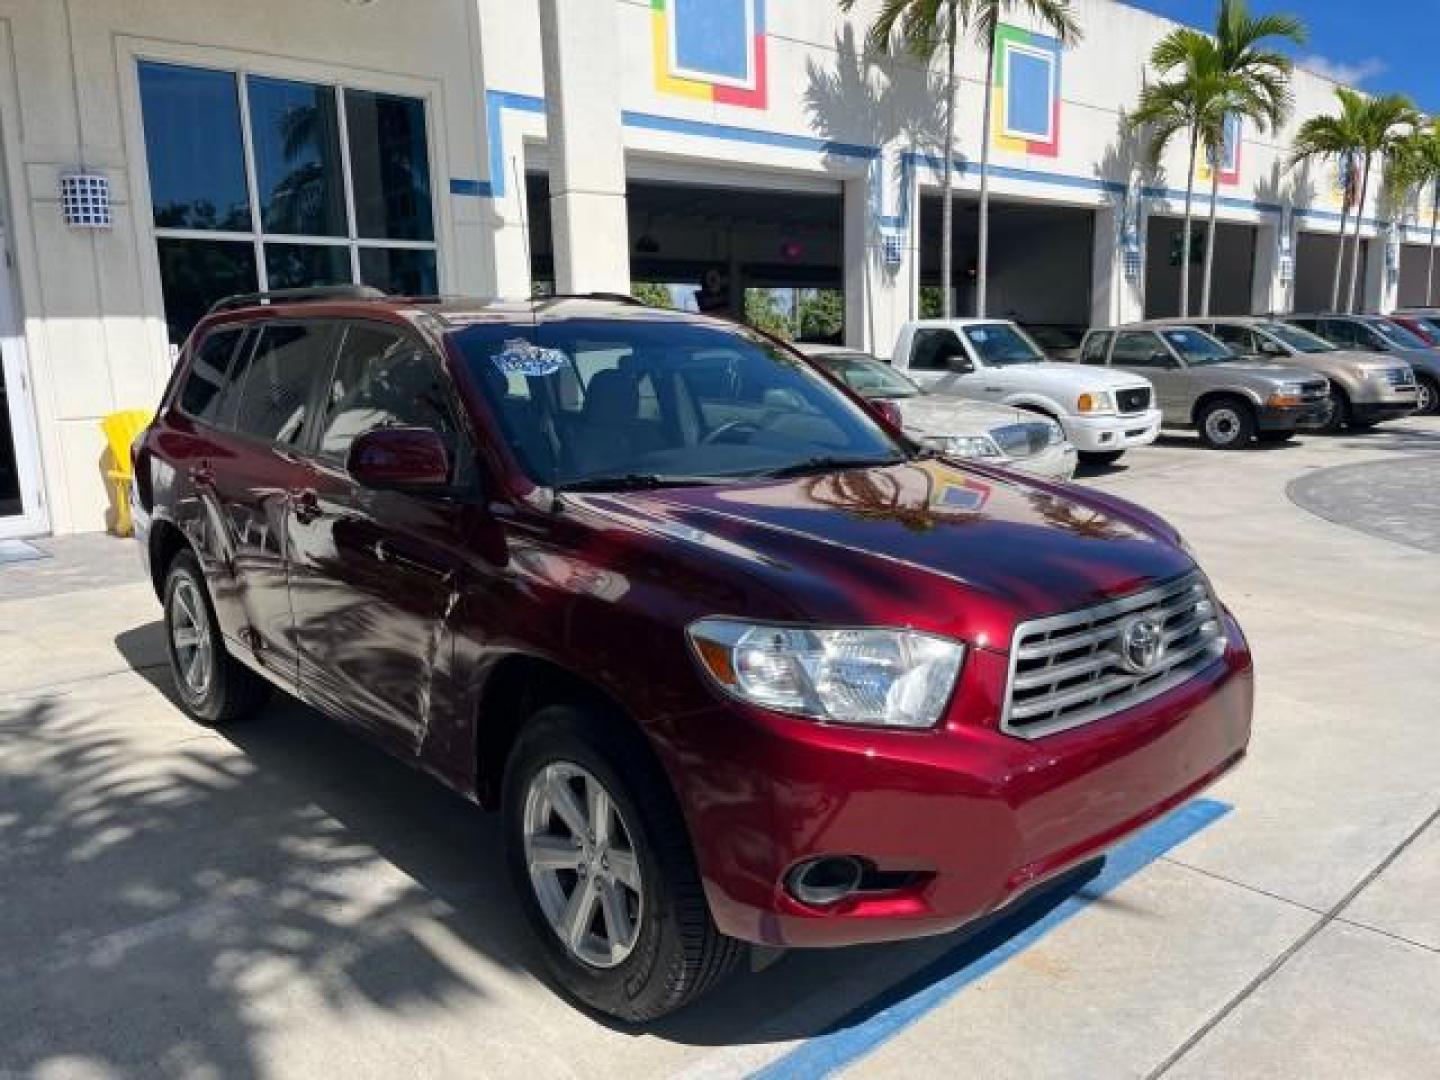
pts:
pixel 1239 338
pixel 1340 331
pixel 1139 348
pixel 1096 346
pixel 202 395
pixel 385 378
pixel 282 370
pixel 933 350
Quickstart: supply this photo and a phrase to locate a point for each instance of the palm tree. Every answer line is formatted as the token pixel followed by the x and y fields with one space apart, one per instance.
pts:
pixel 1384 121
pixel 1229 75
pixel 1427 157
pixel 1412 164
pixel 1338 137
pixel 1258 91
pixel 922 27
pixel 1054 15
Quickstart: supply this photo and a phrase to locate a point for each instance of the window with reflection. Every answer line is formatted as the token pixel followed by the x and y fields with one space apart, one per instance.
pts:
pixel 268 205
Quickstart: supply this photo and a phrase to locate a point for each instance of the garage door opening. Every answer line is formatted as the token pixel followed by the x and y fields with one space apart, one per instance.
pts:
pixel 1230 279
pixel 1040 262
pixel 773 257
pixel 1419 276
pixel 1315 271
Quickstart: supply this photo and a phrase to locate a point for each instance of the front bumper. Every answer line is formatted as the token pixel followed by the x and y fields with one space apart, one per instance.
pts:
pixel 1101 434
pixel 1375 411
pixel 1311 415
pixel 972 816
pixel 1052 463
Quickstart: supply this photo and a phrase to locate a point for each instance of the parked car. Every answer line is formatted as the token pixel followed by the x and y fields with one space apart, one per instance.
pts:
pixel 995 434
pixel 736 661
pixel 1364 388
pixel 1202 384
pixel 1374 334
pixel 1103 413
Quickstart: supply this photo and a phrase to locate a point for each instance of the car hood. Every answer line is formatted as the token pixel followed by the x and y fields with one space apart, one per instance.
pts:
pixel 957 550
pixel 1078 377
pixel 946 414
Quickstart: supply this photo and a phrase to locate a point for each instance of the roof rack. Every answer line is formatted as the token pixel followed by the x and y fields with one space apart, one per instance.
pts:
pixel 292 296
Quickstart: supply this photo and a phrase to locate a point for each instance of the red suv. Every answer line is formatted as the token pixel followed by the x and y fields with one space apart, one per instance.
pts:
pixel 736 661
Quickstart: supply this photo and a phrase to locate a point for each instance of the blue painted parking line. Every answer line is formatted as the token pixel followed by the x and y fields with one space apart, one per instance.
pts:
pixel 880 1020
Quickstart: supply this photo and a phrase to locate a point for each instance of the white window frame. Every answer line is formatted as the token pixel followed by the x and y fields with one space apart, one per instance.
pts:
pixel 131 52
pixel 672 28
pixel 1035 53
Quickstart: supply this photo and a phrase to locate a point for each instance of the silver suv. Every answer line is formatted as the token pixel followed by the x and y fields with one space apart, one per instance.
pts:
pixel 1200 383
pixel 1365 387
pixel 1376 334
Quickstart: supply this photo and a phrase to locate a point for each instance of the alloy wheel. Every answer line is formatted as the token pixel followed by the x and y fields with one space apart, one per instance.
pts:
pixel 1425 398
pixel 191 638
pixel 582 864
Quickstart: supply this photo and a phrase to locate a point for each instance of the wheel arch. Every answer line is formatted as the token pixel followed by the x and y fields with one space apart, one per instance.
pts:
pixel 1223 393
pixel 166 541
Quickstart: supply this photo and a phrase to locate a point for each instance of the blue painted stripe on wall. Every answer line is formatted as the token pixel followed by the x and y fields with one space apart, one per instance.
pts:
pixel 732 133
pixel 901 1006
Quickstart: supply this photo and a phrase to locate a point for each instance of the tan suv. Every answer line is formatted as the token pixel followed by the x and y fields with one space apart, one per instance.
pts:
pixel 1365 388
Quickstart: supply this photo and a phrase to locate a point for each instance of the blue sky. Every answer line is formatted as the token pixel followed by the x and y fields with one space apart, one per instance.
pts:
pixel 1380 45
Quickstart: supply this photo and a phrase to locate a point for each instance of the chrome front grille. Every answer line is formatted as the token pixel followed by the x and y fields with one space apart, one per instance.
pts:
pixel 1022 440
pixel 1071 669
pixel 1400 376
pixel 1133 401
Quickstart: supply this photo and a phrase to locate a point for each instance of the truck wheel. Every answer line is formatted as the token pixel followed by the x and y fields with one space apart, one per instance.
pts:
pixel 1427 400
pixel 1226 424
pixel 601 860
pixel 213 687
pixel 1338 416
pixel 1100 457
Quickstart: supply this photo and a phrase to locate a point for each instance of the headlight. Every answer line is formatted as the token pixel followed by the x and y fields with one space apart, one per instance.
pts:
pixel 878 677
pixel 965 446
pixel 1286 396
pixel 1095 401
pixel 1370 371
pixel 1057 434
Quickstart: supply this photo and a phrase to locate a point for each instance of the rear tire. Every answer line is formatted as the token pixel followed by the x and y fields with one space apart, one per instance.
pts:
pixel 638 864
pixel 213 687
pixel 1100 457
pixel 1226 424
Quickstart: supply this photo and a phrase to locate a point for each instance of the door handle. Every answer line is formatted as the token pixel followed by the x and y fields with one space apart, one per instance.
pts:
pixel 388 553
pixel 305 504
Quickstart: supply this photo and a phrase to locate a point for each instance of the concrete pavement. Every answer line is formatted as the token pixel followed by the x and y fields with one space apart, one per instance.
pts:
pixel 282 901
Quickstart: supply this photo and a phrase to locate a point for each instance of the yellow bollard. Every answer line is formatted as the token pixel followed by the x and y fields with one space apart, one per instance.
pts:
pixel 121 430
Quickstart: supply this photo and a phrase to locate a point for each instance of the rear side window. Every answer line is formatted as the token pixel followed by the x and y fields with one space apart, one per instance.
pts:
pixel 1096 346
pixel 203 392
pixel 384 378
pixel 1238 338
pixel 933 350
pixel 282 370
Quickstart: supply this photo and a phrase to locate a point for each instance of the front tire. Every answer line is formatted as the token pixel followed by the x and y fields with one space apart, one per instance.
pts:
pixel 1100 457
pixel 1339 416
pixel 1427 399
pixel 601 859
pixel 213 687
pixel 1226 424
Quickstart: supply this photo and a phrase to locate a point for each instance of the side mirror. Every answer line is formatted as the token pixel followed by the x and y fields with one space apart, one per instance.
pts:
pixel 399 459
pixel 960 365
pixel 888 411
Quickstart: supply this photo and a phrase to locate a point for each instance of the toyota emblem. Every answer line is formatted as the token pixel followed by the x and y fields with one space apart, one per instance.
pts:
pixel 1142 645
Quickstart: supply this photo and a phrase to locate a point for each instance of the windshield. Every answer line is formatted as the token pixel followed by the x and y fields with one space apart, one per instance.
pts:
pixel 1195 347
pixel 641 402
pixel 868 376
pixel 1001 343
pixel 1396 335
pixel 1299 340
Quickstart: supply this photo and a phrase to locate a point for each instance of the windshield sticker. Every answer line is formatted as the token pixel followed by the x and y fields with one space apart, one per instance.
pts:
pixel 521 357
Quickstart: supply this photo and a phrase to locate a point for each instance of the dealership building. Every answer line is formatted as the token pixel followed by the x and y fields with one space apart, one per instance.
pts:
pixel 159 154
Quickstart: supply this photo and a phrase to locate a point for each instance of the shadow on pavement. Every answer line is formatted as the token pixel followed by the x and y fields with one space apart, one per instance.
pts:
pixel 158 894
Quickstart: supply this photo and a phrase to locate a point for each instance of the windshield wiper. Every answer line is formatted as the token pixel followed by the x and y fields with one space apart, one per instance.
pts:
pixel 828 463
pixel 635 482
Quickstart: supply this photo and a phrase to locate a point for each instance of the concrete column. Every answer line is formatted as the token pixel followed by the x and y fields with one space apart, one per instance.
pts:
pixel 1115 298
pixel 580 49
pixel 1380 289
pixel 1267 292
pixel 881 294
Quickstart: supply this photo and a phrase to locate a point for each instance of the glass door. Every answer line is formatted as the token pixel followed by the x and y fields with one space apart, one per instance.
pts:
pixel 22 512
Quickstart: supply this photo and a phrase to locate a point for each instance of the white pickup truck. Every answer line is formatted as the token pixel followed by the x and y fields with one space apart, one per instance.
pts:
pixel 1104 412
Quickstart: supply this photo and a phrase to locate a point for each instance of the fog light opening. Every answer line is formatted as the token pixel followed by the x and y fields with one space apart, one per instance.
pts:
pixel 825 881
